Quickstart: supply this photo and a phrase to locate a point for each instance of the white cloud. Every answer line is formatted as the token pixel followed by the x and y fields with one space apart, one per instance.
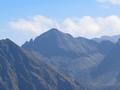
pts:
pixel 86 26
pixel 37 24
pixel 114 2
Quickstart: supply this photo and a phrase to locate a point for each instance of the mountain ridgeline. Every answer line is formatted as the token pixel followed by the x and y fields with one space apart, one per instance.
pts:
pixel 56 43
pixel 93 64
pixel 58 61
pixel 22 70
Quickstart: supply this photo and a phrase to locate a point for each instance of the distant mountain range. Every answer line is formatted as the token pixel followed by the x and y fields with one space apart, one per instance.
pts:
pixel 113 39
pixel 58 61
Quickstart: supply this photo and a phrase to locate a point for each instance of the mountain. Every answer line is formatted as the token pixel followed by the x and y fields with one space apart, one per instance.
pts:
pixel 106 46
pixel 22 70
pixel 108 73
pixel 92 63
pixel 113 39
pixel 74 57
pixel 58 61
pixel 111 61
pixel 56 43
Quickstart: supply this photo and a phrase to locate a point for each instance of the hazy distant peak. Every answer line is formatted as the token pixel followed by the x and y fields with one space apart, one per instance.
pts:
pixel 7 41
pixel 54 30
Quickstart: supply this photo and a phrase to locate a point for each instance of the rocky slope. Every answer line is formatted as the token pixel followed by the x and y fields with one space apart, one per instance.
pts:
pixel 22 70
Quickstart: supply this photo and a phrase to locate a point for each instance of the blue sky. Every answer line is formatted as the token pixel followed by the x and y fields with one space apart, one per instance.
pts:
pixel 11 9
pixel 57 10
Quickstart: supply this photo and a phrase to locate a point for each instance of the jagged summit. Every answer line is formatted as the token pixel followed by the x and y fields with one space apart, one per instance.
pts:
pixel 57 43
pixel 7 43
pixel 52 42
pixel 55 30
pixel 53 33
pixel 5 40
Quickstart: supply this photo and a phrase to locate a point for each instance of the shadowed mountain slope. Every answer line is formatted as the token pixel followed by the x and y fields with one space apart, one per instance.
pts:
pixel 20 70
pixel 95 65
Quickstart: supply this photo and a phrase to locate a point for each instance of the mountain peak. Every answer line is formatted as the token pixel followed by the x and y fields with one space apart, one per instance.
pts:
pixel 53 32
pixel 51 35
pixel 51 43
pixel 7 43
pixel 57 43
pixel 5 40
